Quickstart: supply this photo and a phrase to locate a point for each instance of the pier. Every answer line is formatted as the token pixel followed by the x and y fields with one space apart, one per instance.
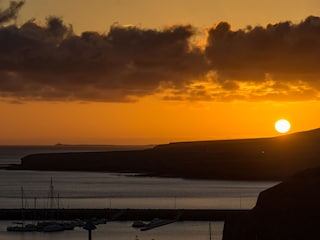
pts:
pixel 123 214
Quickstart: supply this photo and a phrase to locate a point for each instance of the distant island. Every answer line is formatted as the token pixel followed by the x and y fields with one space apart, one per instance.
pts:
pixel 275 158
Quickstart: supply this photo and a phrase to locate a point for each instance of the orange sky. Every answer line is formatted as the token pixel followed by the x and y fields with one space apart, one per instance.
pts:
pixel 150 84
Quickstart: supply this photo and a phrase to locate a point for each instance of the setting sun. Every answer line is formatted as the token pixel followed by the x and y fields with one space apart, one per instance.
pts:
pixel 282 126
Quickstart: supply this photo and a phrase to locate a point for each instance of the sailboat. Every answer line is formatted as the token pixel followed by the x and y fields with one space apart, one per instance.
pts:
pixel 20 226
pixel 54 225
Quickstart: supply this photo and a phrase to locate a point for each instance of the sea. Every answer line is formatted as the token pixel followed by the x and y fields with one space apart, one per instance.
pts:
pixel 114 190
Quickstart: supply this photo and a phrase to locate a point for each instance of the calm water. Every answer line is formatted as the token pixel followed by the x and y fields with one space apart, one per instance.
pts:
pixel 108 190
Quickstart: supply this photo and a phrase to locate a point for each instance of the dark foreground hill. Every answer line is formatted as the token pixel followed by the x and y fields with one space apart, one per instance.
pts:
pixel 249 159
pixel 287 211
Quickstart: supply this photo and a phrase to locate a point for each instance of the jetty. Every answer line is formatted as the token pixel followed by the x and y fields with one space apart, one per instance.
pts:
pixel 124 214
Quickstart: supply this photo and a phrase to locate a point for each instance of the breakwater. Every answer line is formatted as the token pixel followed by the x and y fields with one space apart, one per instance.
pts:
pixel 122 214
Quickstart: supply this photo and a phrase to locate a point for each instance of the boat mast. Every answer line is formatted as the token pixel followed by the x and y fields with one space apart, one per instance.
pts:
pixel 22 198
pixel 51 194
pixel 22 205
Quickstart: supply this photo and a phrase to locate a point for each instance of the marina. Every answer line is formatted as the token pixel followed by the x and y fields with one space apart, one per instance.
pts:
pixel 121 199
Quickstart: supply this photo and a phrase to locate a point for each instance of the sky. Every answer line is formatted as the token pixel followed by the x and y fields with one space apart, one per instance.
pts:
pixel 150 72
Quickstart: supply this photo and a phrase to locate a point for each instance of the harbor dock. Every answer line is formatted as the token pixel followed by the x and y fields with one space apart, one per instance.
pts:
pixel 123 214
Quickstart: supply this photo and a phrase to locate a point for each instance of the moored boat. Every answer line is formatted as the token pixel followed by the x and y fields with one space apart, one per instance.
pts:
pixel 22 228
pixel 138 224
pixel 53 227
pixel 156 222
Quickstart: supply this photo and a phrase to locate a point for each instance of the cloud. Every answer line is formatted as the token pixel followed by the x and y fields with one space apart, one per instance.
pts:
pixel 11 12
pixel 51 63
pixel 281 59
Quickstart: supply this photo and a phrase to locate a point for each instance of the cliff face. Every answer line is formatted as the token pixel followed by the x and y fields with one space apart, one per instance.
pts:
pixel 289 210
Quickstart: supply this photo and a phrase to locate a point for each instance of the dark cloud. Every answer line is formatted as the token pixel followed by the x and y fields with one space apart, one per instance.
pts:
pixel 11 12
pixel 50 62
pixel 282 54
pixel 284 49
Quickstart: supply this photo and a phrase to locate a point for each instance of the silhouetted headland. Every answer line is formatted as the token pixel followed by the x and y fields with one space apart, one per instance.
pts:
pixel 274 158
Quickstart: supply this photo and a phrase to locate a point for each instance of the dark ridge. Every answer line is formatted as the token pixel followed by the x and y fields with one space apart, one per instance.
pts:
pixel 274 158
pixel 288 211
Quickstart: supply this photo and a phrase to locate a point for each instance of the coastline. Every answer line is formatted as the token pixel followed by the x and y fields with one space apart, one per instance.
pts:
pixel 264 159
